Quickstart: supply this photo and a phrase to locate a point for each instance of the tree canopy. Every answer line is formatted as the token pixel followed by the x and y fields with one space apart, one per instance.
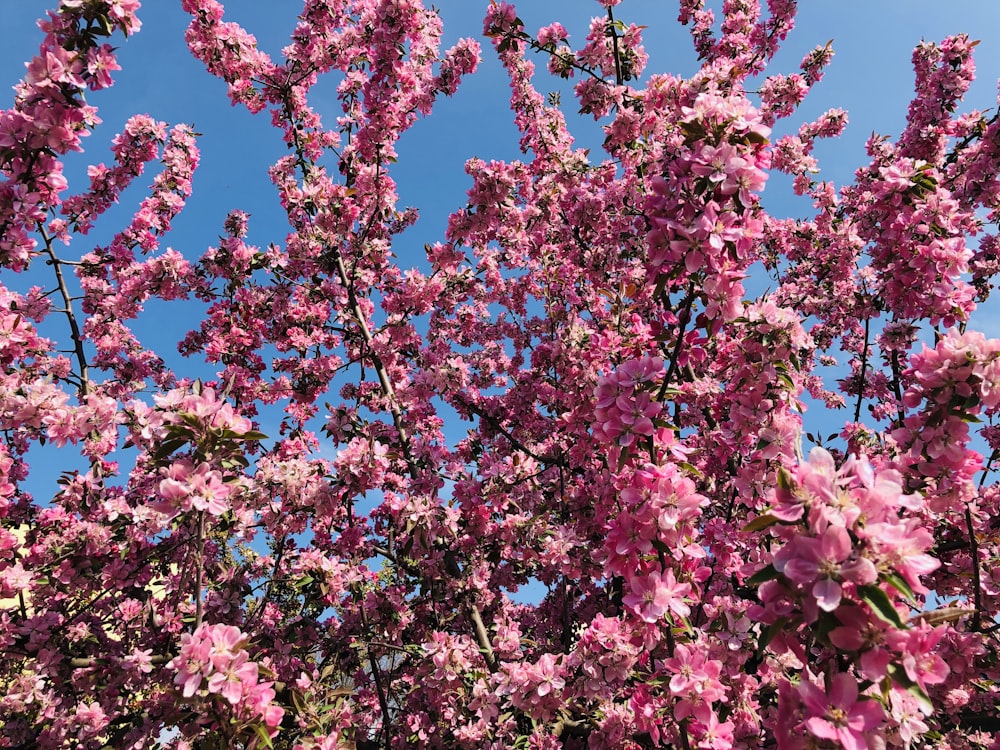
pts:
pixel 549 485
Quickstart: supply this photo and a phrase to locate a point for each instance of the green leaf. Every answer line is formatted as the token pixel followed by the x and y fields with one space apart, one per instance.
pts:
pixel 881 605
pixel 693 131
pixel 785 480
pixel 899 676
pixel 760 522
pixel 784 378
pixel 178 430
pixel 661 546
pixel 899 583
pixel 826 622
pixel 167 447
pixel 105 23
pixel 767 635
pixel 690 469
pixel 768 573
pixel 265 738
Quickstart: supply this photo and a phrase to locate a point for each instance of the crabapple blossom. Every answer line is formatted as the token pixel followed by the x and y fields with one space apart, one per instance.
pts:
pixel 212 661
pixel 653 595
pixel 567 479
pixel 838 713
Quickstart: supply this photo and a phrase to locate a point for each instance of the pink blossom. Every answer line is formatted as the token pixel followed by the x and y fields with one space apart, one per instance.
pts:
pixel 192 664
pixel 905 711
pixel 919 660
pixel 189 487
pixel 652 596
pixel 234 678
pixel 694 673
pixel 548 674
pixel 621 540
pixel 715 734
pixel 839 714
pixel 825 562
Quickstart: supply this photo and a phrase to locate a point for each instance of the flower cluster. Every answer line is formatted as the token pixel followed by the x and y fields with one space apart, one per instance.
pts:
pixel 702 208
pixel 536 688
pixel 213 661
pixel 852 560
pixel 950 385
pixel 622 547
pixel 187 487
pixel 624 409
pixel 918 233
pixel 50 115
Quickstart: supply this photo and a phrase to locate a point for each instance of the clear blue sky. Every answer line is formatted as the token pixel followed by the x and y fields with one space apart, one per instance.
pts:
pixel 871 77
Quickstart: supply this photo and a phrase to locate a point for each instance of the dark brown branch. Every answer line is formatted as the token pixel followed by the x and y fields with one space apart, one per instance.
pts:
pixel 385 383
pixel 88 662
pixel 199 570
pixel 496 425
pixel 977 615
pixel 483 637
pixel 864 372
pixel 619 78
pixel 56 263
pixel 682 321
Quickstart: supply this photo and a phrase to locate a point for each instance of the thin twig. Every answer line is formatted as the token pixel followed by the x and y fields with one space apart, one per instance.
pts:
pixel 864 372
pixel 619 78
pixel 977 615
pixel 57 263
pixel 199 569
pixel 385 382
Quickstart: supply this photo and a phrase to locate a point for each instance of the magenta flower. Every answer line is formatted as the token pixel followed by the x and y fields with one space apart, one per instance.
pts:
pixel 824 562
pixel 715 734
pixel 548 672
pixel 629 535
pixel 839 714
pixel 187 486
pixel 920 660
pixel 236 679
pixel 865 634
pixel 903 546
pixel 193 663
pixel 652 596
pixel 694 680
pixel 226 640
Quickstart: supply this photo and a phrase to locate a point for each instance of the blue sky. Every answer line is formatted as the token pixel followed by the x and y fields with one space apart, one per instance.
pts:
pixel 871 77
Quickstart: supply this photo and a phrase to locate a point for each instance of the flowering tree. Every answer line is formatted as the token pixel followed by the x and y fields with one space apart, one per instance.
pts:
pixel 634 442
